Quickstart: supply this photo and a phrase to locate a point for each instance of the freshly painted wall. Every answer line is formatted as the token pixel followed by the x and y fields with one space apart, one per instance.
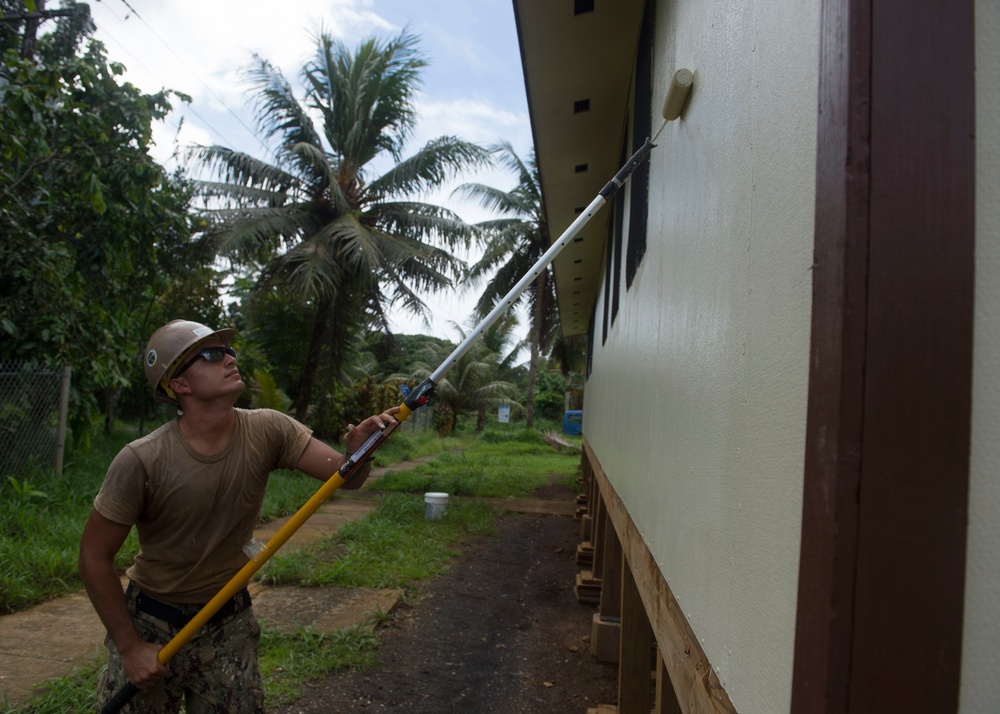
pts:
pixel 696 406
pixel 980 691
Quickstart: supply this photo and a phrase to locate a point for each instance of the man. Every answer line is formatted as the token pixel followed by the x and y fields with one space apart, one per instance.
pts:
pixel 193 488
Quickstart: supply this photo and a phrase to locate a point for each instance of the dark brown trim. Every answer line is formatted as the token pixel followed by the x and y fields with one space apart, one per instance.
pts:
pixel 887 445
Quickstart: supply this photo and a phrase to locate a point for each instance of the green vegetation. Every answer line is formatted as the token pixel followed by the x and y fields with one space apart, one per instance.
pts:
pixel 499 466
pixel 76 692
pixel 288 660
pixel 393 547
pixel 328 222
pixel 40 534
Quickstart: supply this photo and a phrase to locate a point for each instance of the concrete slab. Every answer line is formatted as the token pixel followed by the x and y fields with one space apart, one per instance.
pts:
pixel 324 609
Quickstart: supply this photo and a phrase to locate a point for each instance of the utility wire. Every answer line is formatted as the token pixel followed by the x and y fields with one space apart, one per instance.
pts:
pixel 206 122
pixel 198 77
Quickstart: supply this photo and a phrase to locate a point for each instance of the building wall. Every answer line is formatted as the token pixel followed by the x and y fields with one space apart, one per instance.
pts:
pixel 696 406
pixel 980 690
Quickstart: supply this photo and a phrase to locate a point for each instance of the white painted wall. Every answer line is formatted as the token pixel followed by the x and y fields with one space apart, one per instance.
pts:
pixel 706 366
pixel 980 692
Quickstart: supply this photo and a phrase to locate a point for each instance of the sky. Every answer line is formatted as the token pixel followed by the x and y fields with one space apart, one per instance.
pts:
pixel 473 86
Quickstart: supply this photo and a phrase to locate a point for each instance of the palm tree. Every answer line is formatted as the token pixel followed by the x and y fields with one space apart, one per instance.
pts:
pixel 318 219
pixel 513 242
pixel 498 341
pixel 472 382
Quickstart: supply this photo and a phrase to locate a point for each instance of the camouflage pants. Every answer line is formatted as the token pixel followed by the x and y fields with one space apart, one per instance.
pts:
pixel 216 671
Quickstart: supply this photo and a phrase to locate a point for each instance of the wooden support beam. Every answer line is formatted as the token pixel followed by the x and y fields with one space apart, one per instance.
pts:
pixel 635 694
pixel 665 699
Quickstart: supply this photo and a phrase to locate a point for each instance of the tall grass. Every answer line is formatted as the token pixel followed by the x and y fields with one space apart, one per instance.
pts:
pixel 40 526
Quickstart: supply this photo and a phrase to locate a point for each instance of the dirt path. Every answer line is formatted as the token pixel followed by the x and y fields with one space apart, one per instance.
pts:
pixel 501 631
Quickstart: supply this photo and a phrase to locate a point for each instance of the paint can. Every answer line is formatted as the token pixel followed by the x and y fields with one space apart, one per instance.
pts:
pixel 435 504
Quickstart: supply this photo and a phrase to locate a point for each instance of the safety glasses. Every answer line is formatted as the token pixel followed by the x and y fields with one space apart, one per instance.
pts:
pixel 209 354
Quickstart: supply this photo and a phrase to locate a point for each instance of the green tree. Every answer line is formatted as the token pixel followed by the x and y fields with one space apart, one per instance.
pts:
pixel 320 219
pixel 513 243
pixel 86 214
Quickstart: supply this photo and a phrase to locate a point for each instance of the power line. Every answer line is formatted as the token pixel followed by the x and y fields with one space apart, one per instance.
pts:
pixel 196 75
pixel 206 122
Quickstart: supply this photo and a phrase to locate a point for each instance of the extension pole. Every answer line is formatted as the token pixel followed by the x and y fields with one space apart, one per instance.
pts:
pixel 417 398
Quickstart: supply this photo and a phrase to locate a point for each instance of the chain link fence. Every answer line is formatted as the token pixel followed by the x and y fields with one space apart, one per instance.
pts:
pixel 33 407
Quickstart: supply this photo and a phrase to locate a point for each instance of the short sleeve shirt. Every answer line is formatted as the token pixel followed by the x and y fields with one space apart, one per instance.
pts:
pixel 195 513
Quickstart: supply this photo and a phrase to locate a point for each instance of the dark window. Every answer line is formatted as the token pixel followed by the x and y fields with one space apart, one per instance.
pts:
pixel 618 221
pixel 590 344
pixel 641 129
pixel 582 6
pixel 609 285
pixel 581 105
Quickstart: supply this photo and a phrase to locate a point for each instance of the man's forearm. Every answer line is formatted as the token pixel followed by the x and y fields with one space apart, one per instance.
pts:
pixel 104 588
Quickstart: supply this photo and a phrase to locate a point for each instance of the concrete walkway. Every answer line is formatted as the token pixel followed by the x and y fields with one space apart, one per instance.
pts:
pixel 51 639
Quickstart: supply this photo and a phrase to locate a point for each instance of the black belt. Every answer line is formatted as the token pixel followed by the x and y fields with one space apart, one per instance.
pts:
pixel 180 616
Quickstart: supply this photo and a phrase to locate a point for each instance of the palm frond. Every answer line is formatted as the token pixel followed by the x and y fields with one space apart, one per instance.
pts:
pixel 238 168
pixel 422 221
pixel 366 99
pixel 239 194
pixel 276 110
pixel 506 203
pixel 234 232
pixel 430 167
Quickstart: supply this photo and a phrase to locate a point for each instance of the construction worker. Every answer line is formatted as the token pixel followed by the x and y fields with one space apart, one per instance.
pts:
pixel 193 489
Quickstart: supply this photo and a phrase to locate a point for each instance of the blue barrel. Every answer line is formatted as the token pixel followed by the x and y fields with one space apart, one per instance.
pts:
pixel 573 421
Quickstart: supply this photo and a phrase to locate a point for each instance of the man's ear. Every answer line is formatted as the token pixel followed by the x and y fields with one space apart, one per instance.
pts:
pixel 180 385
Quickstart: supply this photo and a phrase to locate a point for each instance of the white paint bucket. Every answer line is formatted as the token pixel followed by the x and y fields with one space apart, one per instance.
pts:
pixel 435 503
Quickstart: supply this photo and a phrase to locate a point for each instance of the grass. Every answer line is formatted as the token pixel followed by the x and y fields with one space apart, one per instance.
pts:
pixel 288 660
pixel 394 546
pixel 498 465
pixel 40 526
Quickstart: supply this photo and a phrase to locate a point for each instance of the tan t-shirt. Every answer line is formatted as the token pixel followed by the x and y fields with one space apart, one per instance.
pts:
pixel 195 513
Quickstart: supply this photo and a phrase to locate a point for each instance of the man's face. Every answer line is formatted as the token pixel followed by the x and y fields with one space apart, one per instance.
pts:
pixel 211 373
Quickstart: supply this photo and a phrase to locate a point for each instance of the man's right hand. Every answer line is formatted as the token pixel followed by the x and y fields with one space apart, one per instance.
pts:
pixel 142 667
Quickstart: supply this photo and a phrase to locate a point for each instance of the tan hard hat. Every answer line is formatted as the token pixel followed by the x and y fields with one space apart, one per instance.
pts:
pixel 170 346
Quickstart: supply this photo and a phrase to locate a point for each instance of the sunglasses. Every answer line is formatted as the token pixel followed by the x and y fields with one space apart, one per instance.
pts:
pixel 209 354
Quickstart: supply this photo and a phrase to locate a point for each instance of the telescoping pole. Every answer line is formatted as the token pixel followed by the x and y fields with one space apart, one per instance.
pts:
pixel 417 398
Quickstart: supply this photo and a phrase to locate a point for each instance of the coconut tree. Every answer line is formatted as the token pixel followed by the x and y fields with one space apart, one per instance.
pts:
pixel 513 242
pixel 472 383
pixel 319 218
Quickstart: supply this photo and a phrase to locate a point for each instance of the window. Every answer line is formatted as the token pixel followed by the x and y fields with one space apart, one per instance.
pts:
pixel 641 129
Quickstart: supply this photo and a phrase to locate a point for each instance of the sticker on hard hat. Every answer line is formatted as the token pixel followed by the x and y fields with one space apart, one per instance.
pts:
pixel 151 358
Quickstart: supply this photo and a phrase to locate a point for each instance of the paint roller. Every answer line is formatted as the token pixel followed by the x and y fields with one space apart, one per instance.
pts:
pixel 673 107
